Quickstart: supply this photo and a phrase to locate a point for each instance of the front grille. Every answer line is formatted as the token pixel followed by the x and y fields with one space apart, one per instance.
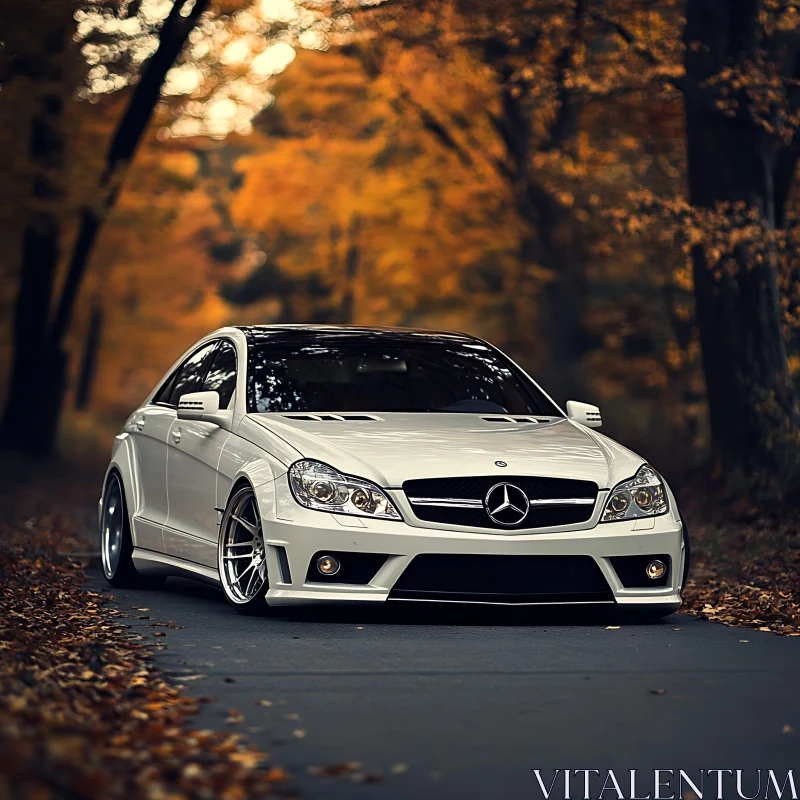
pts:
pixel 502 579
pixel 422 494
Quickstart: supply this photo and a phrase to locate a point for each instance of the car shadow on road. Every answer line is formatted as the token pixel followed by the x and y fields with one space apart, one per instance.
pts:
pixel 421 613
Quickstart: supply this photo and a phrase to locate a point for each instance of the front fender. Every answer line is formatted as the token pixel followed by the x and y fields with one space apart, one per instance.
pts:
pixel 124 461
pixel 244 462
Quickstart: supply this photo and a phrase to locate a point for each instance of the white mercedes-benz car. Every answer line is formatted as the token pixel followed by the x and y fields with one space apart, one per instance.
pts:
pixel 327 464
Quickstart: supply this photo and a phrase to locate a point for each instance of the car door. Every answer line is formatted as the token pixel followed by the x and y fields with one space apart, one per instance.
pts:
pixel 194 449
pixel 150 430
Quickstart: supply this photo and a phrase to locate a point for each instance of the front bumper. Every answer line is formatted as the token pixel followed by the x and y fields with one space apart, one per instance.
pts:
pixel 296 534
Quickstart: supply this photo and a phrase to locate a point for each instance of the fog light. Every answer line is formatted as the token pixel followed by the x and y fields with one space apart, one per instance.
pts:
pixel 328 565
pixel 655 570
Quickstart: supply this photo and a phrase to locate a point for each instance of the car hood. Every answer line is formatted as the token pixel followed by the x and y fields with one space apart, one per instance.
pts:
pixel 390 448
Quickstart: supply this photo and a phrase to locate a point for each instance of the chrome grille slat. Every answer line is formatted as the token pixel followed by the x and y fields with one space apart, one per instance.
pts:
pixel 454 502
pixel 445 502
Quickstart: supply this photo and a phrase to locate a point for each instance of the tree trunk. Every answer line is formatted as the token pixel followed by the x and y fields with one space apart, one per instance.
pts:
pixel 91 348
pixel 753 405
pixel 554 240
pixel 32 427
pixel 22 427
pixel 554 244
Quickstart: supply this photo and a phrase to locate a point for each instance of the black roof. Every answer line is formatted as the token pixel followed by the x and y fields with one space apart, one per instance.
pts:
pixel 352 334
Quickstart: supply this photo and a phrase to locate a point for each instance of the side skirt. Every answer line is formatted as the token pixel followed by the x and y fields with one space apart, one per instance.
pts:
pixel 149 563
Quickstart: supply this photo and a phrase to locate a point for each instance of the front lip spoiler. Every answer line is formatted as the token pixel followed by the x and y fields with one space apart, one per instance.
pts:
pixel 500 603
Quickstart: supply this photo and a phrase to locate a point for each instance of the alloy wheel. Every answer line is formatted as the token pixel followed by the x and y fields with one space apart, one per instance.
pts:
pixel 243 564
pixel 113 527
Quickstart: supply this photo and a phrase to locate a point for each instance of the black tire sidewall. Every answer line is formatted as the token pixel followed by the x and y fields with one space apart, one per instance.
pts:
pixel 687 551
pixel 125 574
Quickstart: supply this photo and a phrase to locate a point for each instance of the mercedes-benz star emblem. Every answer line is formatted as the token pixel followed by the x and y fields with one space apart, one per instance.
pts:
pixel 506 504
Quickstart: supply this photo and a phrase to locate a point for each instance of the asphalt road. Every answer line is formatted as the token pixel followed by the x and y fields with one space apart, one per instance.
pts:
pixel 468 706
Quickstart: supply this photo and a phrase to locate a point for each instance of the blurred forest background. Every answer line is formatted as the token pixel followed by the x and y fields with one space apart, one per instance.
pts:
pixel 604 188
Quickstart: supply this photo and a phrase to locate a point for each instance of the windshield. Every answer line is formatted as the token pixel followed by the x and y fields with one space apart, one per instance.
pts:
pixel 464 377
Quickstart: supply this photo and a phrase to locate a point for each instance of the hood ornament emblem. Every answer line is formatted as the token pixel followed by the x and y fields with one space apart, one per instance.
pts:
pixel 500 464
pixel 506 504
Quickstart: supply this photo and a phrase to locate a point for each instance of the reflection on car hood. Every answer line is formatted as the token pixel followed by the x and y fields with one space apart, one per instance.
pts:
pixel 390 448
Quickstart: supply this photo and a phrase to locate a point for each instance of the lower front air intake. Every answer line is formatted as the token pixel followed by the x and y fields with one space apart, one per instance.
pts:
pixel 503 579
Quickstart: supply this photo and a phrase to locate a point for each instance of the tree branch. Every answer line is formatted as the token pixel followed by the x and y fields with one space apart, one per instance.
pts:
pixel 436 128
pixel 638 47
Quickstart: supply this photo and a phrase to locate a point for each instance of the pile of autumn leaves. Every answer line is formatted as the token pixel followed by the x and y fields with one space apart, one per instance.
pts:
pixel 83 713
pixel 746 571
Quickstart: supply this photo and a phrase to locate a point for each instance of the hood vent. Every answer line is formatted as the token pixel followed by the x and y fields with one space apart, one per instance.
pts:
pixel 332 417
pixel 510 419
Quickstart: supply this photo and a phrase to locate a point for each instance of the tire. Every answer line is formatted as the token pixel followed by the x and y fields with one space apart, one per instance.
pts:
pixel 116 544
pixel 242 571
pixel 687 551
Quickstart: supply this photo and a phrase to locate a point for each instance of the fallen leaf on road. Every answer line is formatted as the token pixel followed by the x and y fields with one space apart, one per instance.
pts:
pixel 787 729
pixel 277 775
pixel 335 770
pixel 193 772
pixel 234 717
pixel 399 769
pixel 249 758
pixel 658 691
pixel 265 703
pixel 299 734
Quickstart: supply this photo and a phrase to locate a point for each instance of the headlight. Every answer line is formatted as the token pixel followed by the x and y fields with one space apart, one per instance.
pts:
pixel 641 496
pixel 318 486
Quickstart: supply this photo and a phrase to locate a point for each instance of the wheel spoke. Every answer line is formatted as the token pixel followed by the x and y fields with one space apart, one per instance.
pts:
pixel 248 526
pixel 248 543
pixel 236 558
pixel 250 583
pixel 243 573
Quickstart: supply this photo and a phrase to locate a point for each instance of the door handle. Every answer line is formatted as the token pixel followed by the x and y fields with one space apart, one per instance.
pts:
pixel 140 423
pixel 176 435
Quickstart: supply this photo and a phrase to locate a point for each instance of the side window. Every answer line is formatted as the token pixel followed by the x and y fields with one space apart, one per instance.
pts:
pixel 189 377
pixel 221 375
pixel 166 390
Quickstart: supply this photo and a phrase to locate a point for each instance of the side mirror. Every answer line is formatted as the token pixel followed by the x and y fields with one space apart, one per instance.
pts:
pixel 584 413
pixel 202 406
